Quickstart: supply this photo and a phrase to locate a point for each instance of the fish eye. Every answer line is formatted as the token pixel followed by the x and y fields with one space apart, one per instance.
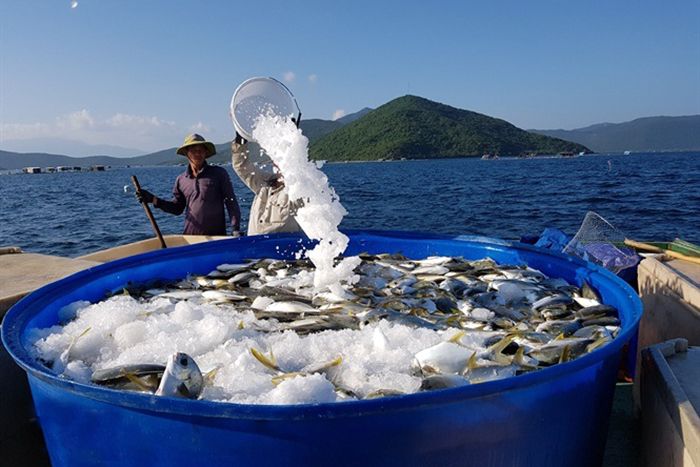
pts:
pixel 183 361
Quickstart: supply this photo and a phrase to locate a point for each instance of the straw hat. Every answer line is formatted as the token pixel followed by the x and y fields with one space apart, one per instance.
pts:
pixel 194 139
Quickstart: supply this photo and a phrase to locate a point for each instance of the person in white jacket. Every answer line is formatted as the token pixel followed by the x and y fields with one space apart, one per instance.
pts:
pixel 271 211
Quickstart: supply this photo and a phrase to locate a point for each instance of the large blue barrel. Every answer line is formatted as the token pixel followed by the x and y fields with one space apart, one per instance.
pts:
pixel 552 417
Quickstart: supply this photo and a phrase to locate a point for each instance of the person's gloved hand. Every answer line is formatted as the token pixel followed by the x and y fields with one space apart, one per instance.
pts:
pixel 144 196
pixel 240 139
pixel 237 234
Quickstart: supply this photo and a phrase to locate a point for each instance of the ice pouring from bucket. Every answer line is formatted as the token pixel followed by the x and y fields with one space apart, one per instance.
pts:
pixel 257 96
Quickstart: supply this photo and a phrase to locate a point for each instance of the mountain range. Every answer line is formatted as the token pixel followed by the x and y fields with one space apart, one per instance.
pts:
pixel 66 146
pixel 642 135
pixel 414 127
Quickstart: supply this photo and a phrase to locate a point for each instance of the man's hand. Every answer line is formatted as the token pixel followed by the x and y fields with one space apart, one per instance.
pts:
pixel 237 234
pixel 240 139
pixel 144 196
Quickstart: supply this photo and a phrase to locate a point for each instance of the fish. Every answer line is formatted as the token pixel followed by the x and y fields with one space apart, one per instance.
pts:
pixel 567 327
pixel 142 377
pixel 552 352
pixel 180 294
pixel 495 320
pixel 445 357
pixel 223 296
pixel 481 374
pixel 65 356
pixel 381 393
pixel 233 268
pixel 179 377
pixel 589 292
pixel 329 369
pixel 597 311
pixel 443 381
pixel 552 301
pixel 291 307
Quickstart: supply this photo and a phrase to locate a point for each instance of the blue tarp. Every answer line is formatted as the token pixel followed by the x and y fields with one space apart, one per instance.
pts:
pixel 551 239
pixel 600 253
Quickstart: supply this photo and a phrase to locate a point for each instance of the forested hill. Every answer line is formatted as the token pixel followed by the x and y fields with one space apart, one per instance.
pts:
pixel 412 127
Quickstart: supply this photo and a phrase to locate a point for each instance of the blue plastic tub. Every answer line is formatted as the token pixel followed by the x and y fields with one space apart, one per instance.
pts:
pixel 552 417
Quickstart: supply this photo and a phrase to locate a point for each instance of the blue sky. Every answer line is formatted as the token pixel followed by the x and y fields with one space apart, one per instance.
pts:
pixel 144 74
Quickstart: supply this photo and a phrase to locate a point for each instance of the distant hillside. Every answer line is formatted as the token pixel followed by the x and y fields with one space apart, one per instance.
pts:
pixel 412 127
pixel 14 161
pixel 66 146
pixel 315 128
pixel 644 135
pixel 352 117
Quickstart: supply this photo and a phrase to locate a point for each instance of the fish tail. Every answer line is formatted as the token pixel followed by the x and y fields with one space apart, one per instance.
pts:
pixel 598 343
pixel 136 381
pixel 457 337
pixel 209 376
pixel 565 354
pixel 276 380
pixel 270 362
pixel 497 350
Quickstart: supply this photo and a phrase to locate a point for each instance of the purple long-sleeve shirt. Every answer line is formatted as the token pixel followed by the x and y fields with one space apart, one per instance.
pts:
pixel 204 197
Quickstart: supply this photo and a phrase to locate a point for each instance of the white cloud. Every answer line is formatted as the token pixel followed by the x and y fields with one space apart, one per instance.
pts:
pixel 313 78
pixel 24 131
pixel 75 121
pixel 340 113
pixel 120 121
pixel 133 131
pixel 289 76
pixel 199 127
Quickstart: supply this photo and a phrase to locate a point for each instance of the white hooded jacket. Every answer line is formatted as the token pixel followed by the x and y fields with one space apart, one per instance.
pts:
pixel 271 211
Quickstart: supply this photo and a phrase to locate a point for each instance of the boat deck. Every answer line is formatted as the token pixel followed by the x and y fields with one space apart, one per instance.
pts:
pixel 21 273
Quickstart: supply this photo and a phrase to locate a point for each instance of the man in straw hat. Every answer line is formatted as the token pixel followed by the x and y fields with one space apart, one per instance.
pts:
pixel 203 190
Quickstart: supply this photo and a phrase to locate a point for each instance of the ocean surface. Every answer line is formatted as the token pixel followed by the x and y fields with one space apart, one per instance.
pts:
pixel 648 197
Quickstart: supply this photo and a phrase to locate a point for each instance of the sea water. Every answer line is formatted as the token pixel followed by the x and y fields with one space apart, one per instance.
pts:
pixel 649 197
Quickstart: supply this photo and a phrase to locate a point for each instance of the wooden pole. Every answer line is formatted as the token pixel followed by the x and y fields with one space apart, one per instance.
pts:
pixel 656 249
pixel 149 214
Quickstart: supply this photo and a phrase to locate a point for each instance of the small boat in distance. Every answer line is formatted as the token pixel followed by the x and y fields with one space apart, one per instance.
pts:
pixel 525 155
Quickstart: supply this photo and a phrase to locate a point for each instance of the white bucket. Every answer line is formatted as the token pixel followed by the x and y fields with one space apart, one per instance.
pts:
pixel 256 96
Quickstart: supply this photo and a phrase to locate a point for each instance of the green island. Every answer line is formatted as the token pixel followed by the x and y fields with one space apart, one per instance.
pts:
pixel 412 127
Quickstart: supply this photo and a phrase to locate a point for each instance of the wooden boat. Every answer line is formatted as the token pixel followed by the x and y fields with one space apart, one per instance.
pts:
pixel 668 359
pixel 669 289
